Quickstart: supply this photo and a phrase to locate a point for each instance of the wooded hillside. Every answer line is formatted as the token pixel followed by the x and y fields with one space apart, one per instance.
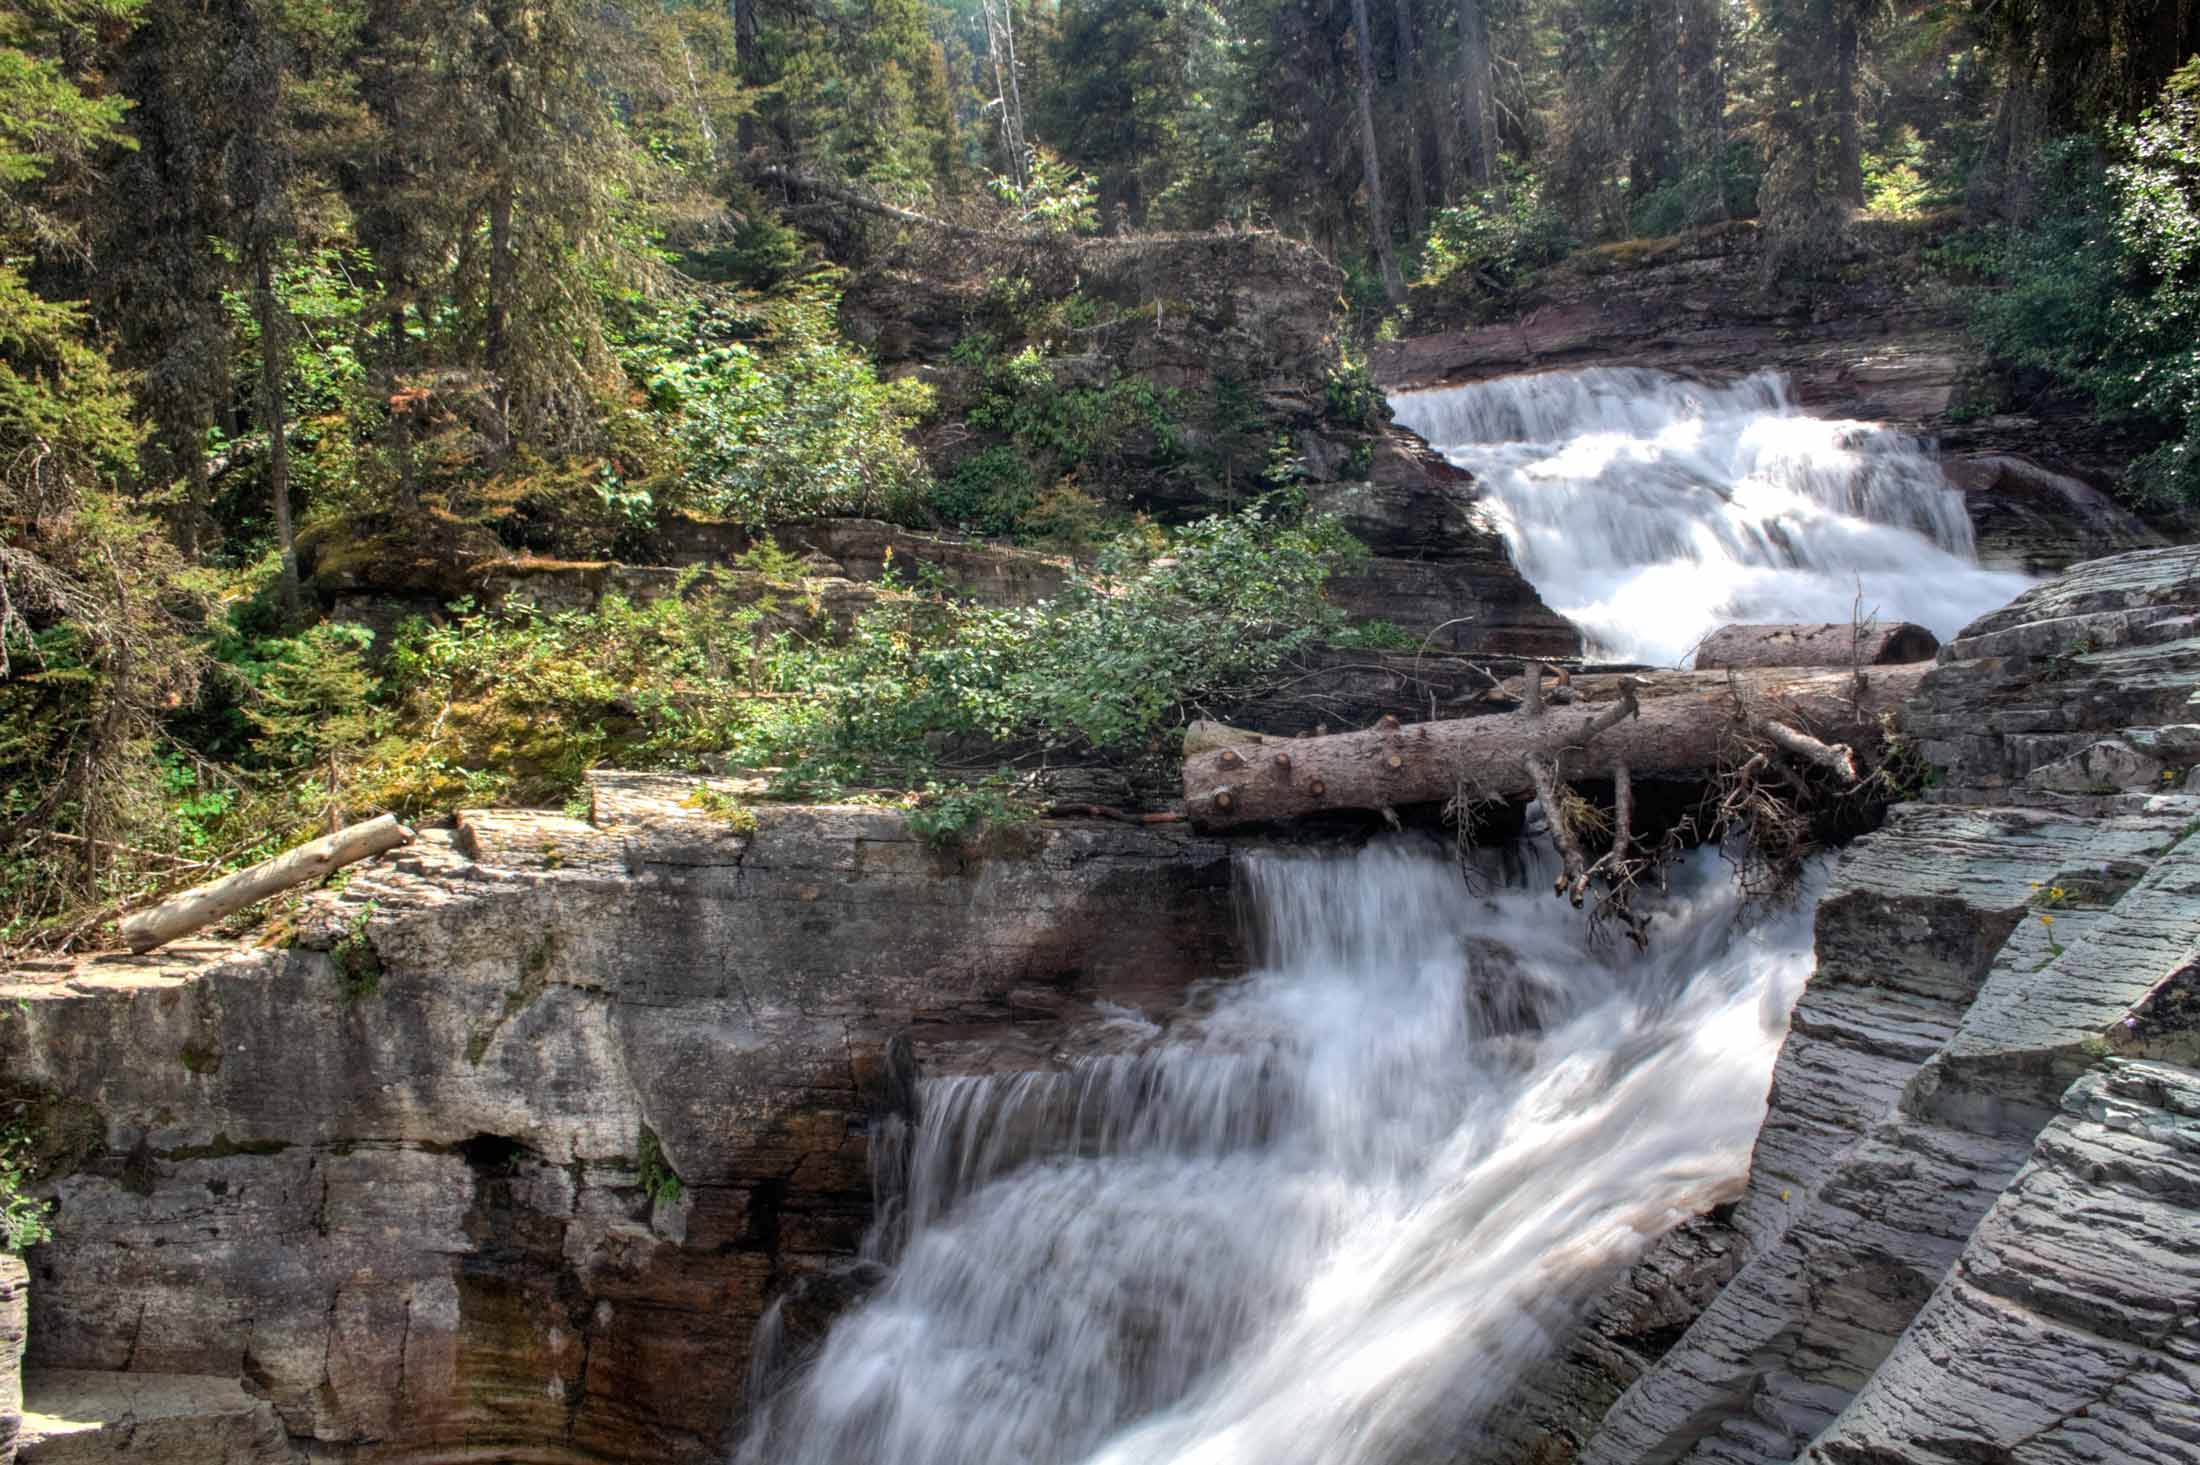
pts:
pixel 299 299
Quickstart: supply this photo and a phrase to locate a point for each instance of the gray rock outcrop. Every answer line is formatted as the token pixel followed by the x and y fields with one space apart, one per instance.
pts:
pixel 506 1156
pixel 1967 1231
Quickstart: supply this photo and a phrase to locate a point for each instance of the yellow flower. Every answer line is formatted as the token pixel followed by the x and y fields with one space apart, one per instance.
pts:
pixel 2056 893
pixel 2047 920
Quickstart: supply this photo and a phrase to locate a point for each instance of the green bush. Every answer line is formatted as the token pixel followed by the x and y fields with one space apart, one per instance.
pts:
pixel 1484 245
pixel 776 417
pixel 2102 291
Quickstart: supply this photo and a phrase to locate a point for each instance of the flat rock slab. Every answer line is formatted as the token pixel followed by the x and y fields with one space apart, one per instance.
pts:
pixel 78 1417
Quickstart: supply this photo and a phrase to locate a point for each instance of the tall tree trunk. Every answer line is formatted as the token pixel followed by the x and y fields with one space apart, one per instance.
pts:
pixel 744 65
pixel 1703 107
pixel 1406 55
pixel 269 311
pixel 402 409
pixel 1477 93
pixel 1655 155
pixel 1849 180
pixel 198 509
pixel 497 327
pixel 1378 209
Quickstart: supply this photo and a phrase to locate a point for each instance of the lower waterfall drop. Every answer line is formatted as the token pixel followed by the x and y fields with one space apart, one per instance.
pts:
pixel 1329 1218
pixel 1650 510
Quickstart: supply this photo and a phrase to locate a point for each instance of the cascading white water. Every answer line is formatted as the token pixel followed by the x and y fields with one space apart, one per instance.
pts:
pixel 1328 1219
pixel 1650 510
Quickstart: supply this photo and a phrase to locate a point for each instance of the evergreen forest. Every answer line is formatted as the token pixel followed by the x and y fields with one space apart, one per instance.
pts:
pixel 302 298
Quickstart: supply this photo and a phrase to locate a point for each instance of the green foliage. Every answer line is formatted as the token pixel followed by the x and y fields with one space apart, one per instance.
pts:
pixel 727 809
pixel 778 419
pixel 948 815
pixel 2102 291
pixel 1057 432
pixel 358 964
pixel 1054 198
pixel 313 702
pixel 1486 244
pixel 24 1219
pixel 659 1179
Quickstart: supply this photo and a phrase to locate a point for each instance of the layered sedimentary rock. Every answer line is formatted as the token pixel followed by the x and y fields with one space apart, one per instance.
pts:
pixel 504 1158
pixel 1967 1221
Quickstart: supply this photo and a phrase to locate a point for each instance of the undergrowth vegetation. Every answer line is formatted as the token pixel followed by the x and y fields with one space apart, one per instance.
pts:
pixel 918 697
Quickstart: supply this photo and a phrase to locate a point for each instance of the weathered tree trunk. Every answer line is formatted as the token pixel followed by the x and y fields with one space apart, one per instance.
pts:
pixel 1703 122
pixel 1405 56
pixel 744 65
pixel 1477 92
pixel 1378 208
pixel 269 310
pixel 1674 723
pixel 497 309
pixel 1849 179
pixel 207 904
pixel 1873 643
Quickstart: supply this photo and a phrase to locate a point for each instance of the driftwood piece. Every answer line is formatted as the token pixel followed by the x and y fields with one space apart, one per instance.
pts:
pixel 1664 725
pixel 207 904
pixel 1867 643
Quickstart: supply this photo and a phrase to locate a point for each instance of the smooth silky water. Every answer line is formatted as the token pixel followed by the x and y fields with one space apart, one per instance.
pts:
pixel 1332 1214
pixel 1650 510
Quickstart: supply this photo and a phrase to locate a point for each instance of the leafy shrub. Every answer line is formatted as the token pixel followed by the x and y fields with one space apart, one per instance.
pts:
pixel 2102 292
pixel 776 417
pixel 1485 244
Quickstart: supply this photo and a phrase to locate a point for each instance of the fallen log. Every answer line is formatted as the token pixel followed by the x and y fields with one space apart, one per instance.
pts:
pixel 1848 643
pixel 206 904
pixel 1668 724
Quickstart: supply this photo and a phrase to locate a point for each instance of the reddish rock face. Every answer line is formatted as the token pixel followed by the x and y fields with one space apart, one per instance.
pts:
pixel 525 1193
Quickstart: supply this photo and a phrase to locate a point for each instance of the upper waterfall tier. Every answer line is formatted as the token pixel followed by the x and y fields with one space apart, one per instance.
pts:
pixel 1649 510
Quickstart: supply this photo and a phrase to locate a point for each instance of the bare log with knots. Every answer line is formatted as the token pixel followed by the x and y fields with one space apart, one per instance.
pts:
pixel 1616 728
pixel 1665 724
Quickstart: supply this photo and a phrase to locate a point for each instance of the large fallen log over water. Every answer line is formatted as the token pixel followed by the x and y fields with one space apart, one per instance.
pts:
pixel 1663 724
pixel 207 904
pixel 1847 643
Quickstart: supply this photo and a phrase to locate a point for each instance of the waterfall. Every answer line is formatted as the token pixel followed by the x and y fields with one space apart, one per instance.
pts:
pixel 1327 1215
pixel 1650 510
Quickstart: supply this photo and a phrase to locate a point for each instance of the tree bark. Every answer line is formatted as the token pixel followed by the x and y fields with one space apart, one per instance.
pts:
pixel 1703 121
pixel 269 310
pixel 1849 163
pixel 497 324
pixel 1406 56
pixel 1378 208
pixel 1477 93
pixel 1874 643
pixel 207 904
pixel 1682 724
pixel 744 65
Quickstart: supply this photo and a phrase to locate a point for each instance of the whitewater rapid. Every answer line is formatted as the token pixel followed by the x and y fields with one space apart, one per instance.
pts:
pixel 1650 510
pixel 1332 1214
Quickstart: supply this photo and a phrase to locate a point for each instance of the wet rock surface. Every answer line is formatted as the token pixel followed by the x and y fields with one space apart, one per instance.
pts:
pixel 505 1158
pixel 1967 1230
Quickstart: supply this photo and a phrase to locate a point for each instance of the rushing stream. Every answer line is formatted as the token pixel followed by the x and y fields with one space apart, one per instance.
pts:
pixel 1329 1216
pixel 1650 510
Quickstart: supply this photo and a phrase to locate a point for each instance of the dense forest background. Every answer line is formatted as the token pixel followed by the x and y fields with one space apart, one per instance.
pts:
pixel 286 282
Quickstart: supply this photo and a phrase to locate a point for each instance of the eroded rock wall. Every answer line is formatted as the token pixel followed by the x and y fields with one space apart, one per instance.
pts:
pixel 505 1157
pixel 1968 1224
